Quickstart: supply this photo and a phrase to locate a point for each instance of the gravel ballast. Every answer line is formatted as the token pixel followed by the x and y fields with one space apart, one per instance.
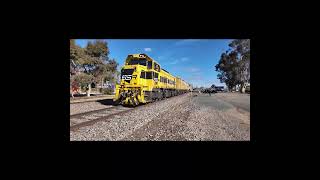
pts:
pixel 180 118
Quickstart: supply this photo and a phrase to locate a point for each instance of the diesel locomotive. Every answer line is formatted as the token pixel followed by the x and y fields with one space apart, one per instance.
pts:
pixel 143 80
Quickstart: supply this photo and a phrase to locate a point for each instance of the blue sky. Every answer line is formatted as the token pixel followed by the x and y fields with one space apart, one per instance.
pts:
pixel 191 59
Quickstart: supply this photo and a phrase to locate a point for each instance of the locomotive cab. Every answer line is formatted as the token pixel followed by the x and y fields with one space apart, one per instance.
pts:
pixel 136 70
pixel 139 60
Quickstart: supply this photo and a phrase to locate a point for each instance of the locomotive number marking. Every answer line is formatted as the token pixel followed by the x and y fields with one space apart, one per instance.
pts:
pixel 126 77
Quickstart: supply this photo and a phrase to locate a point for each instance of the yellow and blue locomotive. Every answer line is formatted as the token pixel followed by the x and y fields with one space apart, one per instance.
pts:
pixel 143 80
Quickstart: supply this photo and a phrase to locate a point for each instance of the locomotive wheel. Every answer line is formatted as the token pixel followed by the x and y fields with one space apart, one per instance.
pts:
pixel 135 101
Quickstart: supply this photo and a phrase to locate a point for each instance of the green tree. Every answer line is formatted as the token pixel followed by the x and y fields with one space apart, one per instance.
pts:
pixel 234 66
pixel 98 49
pixel 77 57
pixel 242 48
pixel 227 68
pixel 105 68
pixel 94 61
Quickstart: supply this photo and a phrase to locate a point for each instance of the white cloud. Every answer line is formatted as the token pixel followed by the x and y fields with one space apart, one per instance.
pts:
pixel 147 49
pixel 196 77
pixel 197 73
pixel 191 69
pixel 174 62
pixel 194 69
pixel 184 59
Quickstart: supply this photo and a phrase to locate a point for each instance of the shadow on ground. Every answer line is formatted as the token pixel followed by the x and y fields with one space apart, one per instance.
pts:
pixel 106 102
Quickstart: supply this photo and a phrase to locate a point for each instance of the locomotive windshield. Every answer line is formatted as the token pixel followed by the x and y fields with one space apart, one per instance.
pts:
pixel 127 72
pixel 137 61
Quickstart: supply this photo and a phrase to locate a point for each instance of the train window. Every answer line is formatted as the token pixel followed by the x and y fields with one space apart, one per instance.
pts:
pixel 127 72
pixel 148 75
pixel 143 75
pixel 149 64
pixel 137 61
pixel 156 67
pixel 155 75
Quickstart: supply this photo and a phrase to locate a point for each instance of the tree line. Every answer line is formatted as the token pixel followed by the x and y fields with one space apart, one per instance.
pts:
pixel 234 65
pixel 91 65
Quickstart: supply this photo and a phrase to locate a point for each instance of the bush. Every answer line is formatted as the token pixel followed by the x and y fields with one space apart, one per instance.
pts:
pixel 107 91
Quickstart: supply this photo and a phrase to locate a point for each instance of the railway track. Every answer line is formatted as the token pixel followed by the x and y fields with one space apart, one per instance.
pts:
pixel 91 117
pixel 94 99
pixel 88 118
